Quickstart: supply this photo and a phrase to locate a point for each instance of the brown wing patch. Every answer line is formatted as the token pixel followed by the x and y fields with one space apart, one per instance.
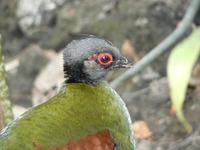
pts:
pixel 37 147
pixel 99 141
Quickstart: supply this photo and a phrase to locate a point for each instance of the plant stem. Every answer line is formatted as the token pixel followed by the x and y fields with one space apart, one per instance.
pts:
pixel 6 114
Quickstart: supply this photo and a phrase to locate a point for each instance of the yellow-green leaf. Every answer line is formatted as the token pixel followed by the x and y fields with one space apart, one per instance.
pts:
pixel 180 64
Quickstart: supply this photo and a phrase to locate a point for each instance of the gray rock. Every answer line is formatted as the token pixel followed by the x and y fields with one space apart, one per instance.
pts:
pixel 20 79
pixel 31 14
pixel 18 110
pixel 48 81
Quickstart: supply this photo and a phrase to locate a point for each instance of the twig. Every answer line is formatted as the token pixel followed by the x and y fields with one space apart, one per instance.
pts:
pixel 165 45
pixel 5 106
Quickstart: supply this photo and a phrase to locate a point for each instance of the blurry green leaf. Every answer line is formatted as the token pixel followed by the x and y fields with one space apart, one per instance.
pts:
pixel 180 64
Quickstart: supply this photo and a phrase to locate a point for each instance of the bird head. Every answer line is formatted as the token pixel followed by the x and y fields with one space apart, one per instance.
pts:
pixel 89 59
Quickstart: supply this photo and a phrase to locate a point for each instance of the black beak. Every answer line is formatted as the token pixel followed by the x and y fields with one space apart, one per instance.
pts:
pixel 123 62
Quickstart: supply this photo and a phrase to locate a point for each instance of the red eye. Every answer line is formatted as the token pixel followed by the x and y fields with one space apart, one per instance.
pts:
pixel 105 58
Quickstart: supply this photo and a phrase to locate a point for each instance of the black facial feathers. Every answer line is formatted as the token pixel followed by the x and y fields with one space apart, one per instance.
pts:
pixel 78 67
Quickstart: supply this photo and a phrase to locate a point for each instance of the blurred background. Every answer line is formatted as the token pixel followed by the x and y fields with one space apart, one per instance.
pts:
pixel 34 33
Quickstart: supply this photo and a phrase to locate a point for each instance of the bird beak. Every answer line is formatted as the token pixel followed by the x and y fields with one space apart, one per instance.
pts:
pixel 123 62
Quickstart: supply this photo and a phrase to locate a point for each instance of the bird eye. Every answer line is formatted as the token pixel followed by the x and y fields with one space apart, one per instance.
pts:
pixel 105 58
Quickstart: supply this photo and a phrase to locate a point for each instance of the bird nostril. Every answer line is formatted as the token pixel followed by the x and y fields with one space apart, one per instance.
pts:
pixel 123 62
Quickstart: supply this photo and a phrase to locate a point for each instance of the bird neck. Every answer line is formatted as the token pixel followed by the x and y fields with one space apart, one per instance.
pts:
pixel 78 86
pixel 75 74
pixel 82 80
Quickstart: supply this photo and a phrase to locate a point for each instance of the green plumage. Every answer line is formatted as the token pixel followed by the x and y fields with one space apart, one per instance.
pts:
pixel 77 111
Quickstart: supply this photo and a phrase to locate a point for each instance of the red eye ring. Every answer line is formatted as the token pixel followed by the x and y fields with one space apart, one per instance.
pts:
pixel 105 58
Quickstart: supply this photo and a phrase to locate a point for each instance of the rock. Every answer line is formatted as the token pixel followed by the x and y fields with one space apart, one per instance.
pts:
pixel 149 74
pixel 18 110
pixel 48 81
pixel 189 143
pixel 33 14
pixel 141 21
pixel 8 26
pixel 7 15
pixel 144 145
pixel 21 78
pixel 51 23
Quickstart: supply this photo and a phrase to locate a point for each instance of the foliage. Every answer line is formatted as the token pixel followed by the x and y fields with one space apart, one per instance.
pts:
pixel 6 114
pixel 180 64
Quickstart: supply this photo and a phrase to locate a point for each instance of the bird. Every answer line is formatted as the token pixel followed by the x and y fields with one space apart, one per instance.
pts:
pixel 86 114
